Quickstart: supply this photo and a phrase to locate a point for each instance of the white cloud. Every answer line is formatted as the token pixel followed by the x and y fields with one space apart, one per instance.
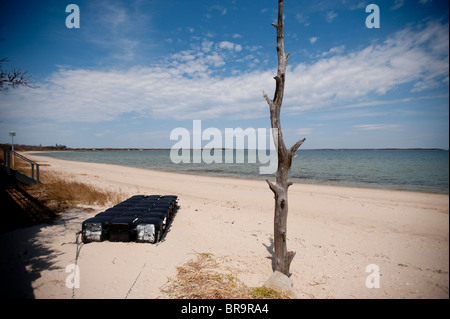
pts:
pixel 313 40
pixel 302 19
pixel 357 6
pixel 104 133
pixel 303 131
pixel 230 46
pixel 397 4
pixel 335 50
pixel 207 46
pixel 184 86
pixel 331 15
pixel 253 48
pixel 190 84
pixel 118 28
pixel 221 9
pixel 413 56
pixel 379 127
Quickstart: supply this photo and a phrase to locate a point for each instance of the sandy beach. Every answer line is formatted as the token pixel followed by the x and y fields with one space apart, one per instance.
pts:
pixel 335 231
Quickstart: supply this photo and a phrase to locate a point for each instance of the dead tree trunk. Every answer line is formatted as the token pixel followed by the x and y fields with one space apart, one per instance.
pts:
pixel 283 257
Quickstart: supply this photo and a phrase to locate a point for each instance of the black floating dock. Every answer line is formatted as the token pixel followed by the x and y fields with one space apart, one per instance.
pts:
pixel 141 218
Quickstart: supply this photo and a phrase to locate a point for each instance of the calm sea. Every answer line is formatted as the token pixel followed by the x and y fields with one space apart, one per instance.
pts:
pixel 413 170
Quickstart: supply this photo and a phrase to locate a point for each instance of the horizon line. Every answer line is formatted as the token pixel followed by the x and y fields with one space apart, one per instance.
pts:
pixel 56 148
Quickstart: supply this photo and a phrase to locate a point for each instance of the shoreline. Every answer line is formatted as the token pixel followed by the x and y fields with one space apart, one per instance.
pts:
pixel 325 184
pixel 336 231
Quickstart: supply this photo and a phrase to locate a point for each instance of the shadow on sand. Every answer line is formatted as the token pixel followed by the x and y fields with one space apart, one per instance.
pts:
pixel 22 257
pixel 271 251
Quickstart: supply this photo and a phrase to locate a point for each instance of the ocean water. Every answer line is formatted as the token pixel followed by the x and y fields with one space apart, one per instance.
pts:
pixel 412 170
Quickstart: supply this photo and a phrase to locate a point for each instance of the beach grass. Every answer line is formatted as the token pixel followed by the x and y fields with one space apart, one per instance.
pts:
pixel 209 277
pixel 61 191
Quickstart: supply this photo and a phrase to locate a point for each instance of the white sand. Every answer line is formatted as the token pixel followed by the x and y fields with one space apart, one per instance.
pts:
pixel 336 232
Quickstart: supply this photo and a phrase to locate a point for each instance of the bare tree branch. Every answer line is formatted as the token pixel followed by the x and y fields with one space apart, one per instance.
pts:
pixel 13 78
pixel 269 101
pixel 296 146
pixel 275 188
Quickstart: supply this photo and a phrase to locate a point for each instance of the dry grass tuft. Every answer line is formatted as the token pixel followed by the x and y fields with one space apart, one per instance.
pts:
pixel 60 191
pixel 205 278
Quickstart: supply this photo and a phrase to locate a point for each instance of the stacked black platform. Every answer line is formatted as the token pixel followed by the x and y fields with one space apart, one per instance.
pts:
pixel 140 218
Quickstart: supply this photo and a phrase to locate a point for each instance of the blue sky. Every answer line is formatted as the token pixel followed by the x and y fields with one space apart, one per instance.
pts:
pixel 136 70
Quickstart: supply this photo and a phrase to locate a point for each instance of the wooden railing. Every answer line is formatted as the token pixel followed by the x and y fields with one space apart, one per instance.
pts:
pixel 9 155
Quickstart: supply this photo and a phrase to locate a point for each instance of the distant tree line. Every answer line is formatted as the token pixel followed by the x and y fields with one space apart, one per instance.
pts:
pixel 21 147
pixel 58 147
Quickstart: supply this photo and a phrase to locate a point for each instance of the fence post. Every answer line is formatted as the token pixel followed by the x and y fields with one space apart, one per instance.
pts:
pixel 4 158
pixel 8 162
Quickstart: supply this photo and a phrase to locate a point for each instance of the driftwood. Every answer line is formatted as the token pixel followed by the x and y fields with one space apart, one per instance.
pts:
pixel 283 257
